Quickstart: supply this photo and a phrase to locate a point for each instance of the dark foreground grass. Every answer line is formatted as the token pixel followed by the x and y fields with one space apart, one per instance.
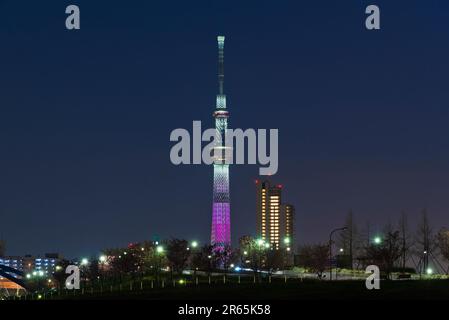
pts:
pixel 307 290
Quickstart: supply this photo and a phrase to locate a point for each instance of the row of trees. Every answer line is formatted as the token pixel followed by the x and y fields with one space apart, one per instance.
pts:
pixel 173 256
pixel 151 259
pixel 395 248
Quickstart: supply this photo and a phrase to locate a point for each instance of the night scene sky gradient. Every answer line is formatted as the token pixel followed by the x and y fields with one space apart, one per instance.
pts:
pixel 85 116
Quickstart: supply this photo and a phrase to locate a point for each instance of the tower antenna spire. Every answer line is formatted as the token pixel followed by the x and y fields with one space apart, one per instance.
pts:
pixel 221 40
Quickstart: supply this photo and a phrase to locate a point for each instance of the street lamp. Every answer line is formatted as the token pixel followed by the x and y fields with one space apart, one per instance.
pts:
pixel 377 240
pixel 103 258
pixel 84 262
pixel 159 252
pixel 194 244
pixel 330 247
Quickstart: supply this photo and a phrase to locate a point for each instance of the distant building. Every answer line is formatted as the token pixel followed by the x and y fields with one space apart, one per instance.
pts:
pixel 47 263
pixel 274 220
pixel 12 262
pixel 28 263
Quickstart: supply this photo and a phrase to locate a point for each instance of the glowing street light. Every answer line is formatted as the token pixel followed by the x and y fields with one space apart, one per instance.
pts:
pixel 287 241
pixel 159 249
pixel 260 242
pixel 330 248
pixel 429 271
pixel 84 262
pixel 103 259
pixel 377 240
pixel 194 244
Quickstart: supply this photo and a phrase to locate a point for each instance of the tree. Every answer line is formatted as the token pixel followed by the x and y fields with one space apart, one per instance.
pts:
pixel 386 253
pixel 124 261
pixel 93 269
pixel 405 239
pixel 348 238
pixel 443 244
pixel 275 260
pixel 201 259
pixel 253 254
pixel 153 261
pixel 315 258
pixel 425 242
pixel 59 275
pixel 364 242
pixel 223 256
pixel 177 254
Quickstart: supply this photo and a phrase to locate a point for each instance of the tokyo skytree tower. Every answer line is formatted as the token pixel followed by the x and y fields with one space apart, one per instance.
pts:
pixel 221 210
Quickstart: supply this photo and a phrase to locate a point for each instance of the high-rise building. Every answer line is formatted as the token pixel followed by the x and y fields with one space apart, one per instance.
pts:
pixel 274 219
pixel 221 209
pixel 268 206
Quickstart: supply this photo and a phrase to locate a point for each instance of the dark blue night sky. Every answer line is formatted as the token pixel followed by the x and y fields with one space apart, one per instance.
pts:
pixel 85 116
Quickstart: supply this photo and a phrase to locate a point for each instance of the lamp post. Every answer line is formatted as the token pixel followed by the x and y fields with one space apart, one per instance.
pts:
pixel 159 254
pixel 330 248
pixel 261 245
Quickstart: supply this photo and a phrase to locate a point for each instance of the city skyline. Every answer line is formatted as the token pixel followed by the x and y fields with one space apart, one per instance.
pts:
pixel 85 118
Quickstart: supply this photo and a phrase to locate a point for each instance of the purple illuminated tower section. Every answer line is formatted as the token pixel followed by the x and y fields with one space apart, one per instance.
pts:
pixel 221 209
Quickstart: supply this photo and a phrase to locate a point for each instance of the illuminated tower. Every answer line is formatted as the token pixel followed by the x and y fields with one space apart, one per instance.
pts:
pixel 221 209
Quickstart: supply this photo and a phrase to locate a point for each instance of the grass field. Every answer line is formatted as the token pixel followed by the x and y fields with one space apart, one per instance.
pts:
pixel 306 290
